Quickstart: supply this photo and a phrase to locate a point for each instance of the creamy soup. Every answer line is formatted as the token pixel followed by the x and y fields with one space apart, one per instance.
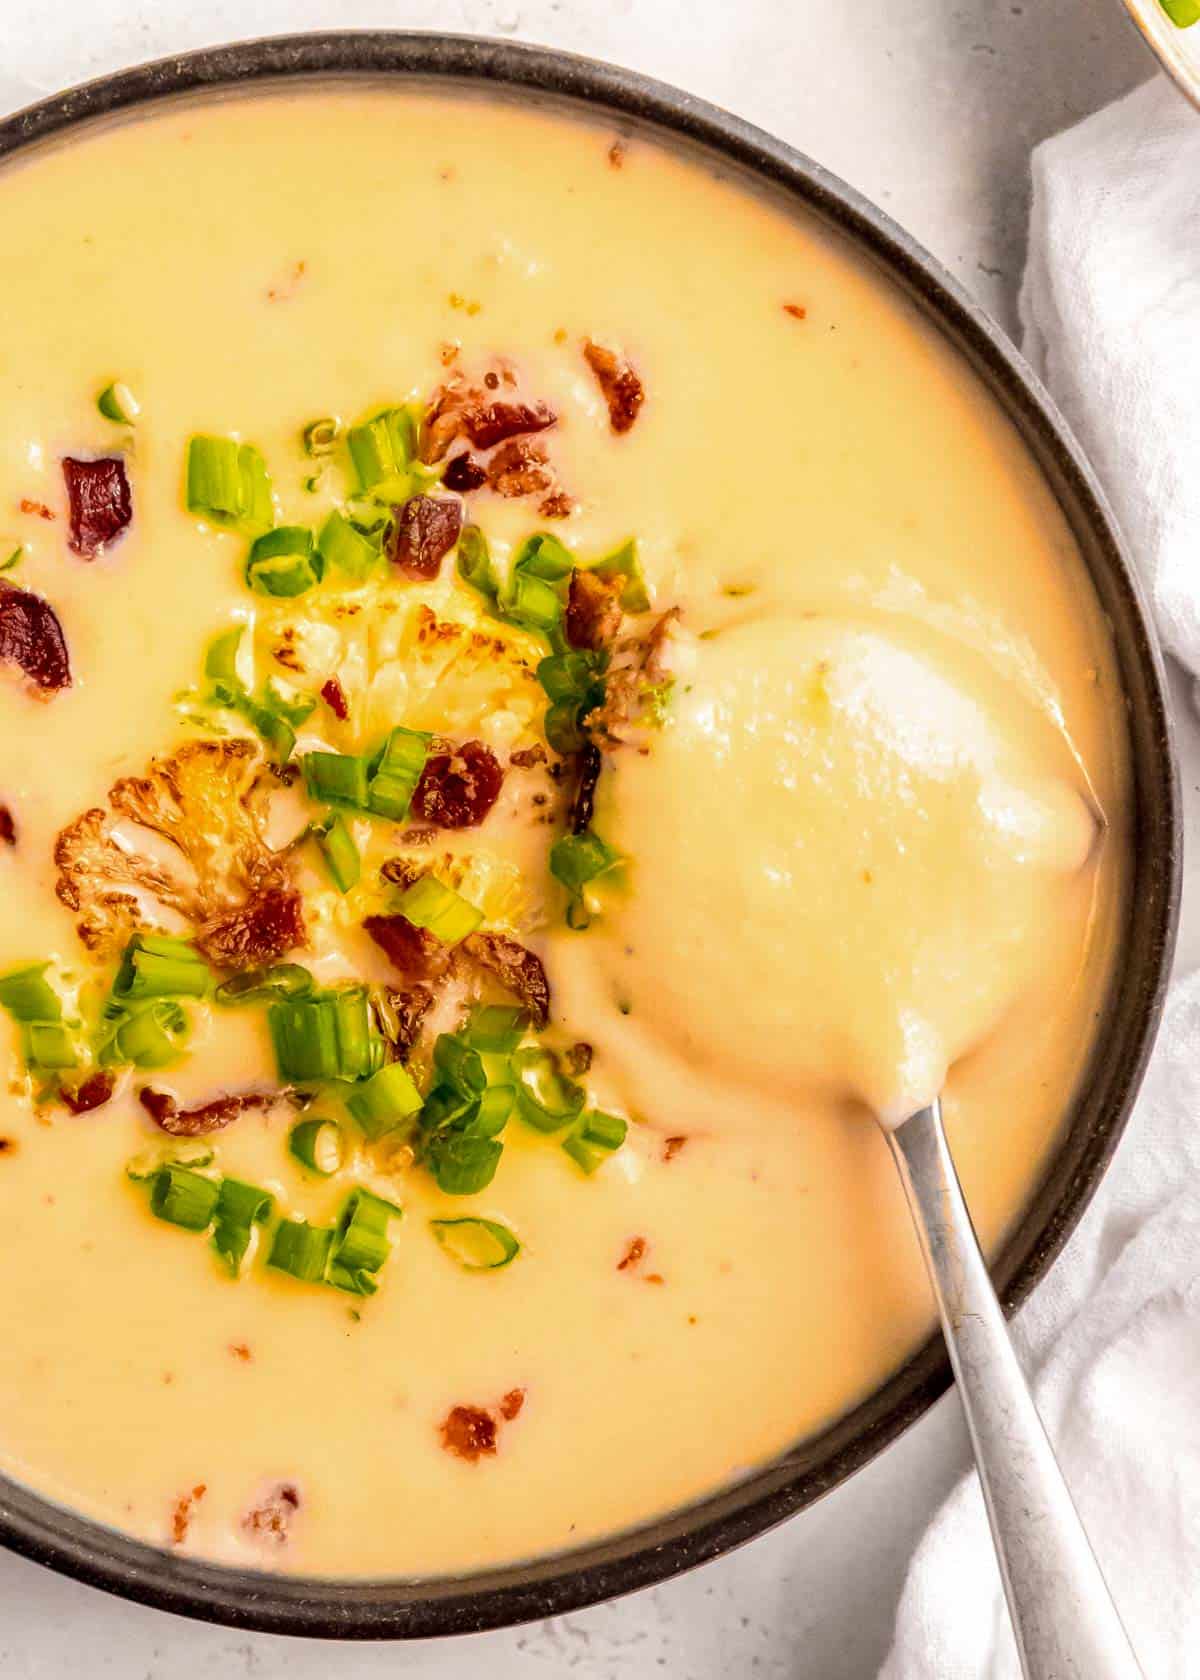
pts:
pixel 393 870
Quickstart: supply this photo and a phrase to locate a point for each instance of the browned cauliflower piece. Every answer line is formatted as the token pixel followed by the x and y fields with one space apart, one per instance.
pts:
pixel 207 800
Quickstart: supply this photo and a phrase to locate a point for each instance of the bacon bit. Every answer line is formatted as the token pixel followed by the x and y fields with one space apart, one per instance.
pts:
pixel 334 696
pixel 401 1021
pixel 469 1433
pixel 415 952
pixel 796 310
pixel 496 422
pixel 615 374
pixel 584 803
pixel 40 508
pixel 457 789
pixel 239 1350
pixel 517 968
pixel 402 872
pixel 424 532
pixel 633 1254
pixel 100 503
pixel 640 664
pixel 181 1516
pixel 593 615
pixel 464 473
pixel 616 154
pixel 8 828
pixel 520 468
pixel 265 928
pixel 672 1146
pixel 272 1519
pixel 32 637
pixel 510 1406
pixel 167 1115
pixel 94 1092
pixel 557 505
pixel 579 1059
pixel 528 757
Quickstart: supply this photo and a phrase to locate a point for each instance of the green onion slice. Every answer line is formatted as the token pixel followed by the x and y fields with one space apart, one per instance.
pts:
pixel 227 484
pixel 344 547
pixel 576 860
pixel 147 1165
pixel 265 985
pixel 474 562
pixel 185 1198
pixel 288 703
pixel 117 402
pixel 382 447
pixel 339 852
pixel 29 996
pixel 384 1100
pixel 429 903
pixel 546 1098
pixel 594 1139
pixel 301 1250
pixel 155 965
pixel 220 662
pixel 240 1207
pixel 623 562
pixel 495 1106
pixel 49 1046
pixel 574 675
pixel 150 1035
pixel 320 436
pixel 327 1037
pixel 360 1238
pixel 335 778
pixel 459 1066
pixel 545 556
pixel 463 1165
pixel 533 603
pixel 496 1028
pixel 318 1144
pixel 283 562
pixel 12 558
pixel 479 1245
pixel 396 771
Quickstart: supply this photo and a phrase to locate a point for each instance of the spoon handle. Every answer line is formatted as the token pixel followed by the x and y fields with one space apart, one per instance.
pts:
pixel 1066 1624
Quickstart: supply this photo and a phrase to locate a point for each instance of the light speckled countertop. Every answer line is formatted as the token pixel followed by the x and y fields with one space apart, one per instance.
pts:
pixel 931 109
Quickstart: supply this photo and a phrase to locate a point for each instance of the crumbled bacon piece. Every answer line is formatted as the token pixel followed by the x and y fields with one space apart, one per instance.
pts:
pixel 579 1059
pixel 92 1093
pixel 469 1433
pixel 334 696
pixel 463 473
pixel 414 952
pixel 272 1519
pixel 593 615
pixel 27 505
pixel 528 756
pixel 622 388
pixel 518 969
pixel 32 638
pixel 520 468
pixel 257 932
pixel 457 789
pixel 633 1254
pixel 496 422
pixel 425 530
pixel 239 1350
pixel 640 666
pixel 557 505
pixel 584 803
pixel 8 828
pixel 462 409
pixel 796 310
pixel 672 1146
pixel 181 1515
pixel 100 503
pixel 511 1404
pixel 166 1113
pixel 401 1014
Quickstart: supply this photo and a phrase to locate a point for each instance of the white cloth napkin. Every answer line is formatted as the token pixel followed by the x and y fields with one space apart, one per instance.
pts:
pixel 1111 311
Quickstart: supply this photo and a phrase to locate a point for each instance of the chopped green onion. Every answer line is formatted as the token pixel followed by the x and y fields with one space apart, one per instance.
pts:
pixel 577 859
pixel 13 557
pixel 151 1035
pixel 335 778
pixel 479 1245
pixel 382 448
pixel 341 545
pixel 276 731
pixel 384 1100
pixel 532 602
pixel 459 1066
pixel 220 662
pixel 360 1242
pixel 283 562
pixel 339 852
pixel 288 703
pixel 396 772
pixel 562 726
pixel 474 562
pixel 329 1037
pixel 150 1162
pixel 572 675
pixel 155 965
pixel 117 402
pixel 319 436
pixel 544 556
pixel 495 1106
pixel 262 985
pixel 594 1138
pixel 446 1109
pixel 301 1250
pixel 623 562
pixel 1182 13
pixel 29 996
pixel 240 1207
pixel 428 903
pixel 463 1165
pixel 318 1144
pixel 48 1045
pixel 546 1098
pixel 496 1027
pixel 227 484
pixel 185 1198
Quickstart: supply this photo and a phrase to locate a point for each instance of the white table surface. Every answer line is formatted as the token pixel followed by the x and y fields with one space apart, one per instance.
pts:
pixel 930 107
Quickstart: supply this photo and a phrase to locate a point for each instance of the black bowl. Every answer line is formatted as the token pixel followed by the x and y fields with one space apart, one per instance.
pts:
pixel 378 1609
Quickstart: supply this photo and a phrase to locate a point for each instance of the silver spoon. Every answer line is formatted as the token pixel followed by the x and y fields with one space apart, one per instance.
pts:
pixel 1066 1624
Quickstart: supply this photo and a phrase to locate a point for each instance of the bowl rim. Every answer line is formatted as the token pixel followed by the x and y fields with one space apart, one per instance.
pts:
pixel 89 1551
pixel 1165 40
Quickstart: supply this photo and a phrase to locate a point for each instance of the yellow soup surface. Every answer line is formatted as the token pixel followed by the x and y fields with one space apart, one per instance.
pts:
pixel 869 791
